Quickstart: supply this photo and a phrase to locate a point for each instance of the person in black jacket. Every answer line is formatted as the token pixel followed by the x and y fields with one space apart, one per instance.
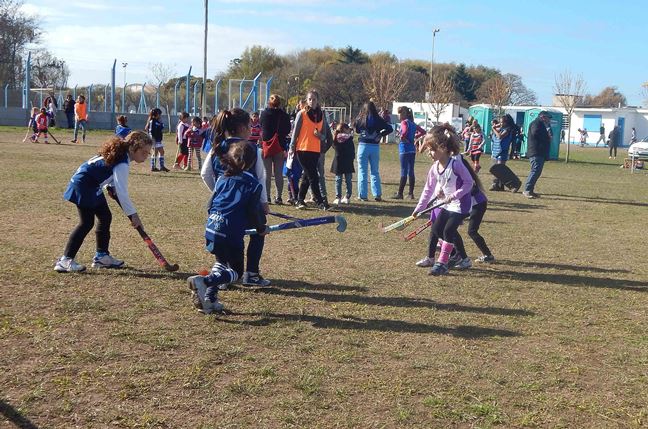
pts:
pixel 274 120
pixel 538 143
pixel 68 107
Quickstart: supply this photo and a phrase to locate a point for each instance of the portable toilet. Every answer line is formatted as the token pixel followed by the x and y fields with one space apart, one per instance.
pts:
pixel 556 126
pixel 484 115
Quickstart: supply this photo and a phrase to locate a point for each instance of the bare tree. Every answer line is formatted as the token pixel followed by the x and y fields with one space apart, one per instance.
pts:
pixel 569 91
pixel 520 94
pixel 442 94
pixel 496 91
pixel 160 75
pixel 385 82
pixel 48 71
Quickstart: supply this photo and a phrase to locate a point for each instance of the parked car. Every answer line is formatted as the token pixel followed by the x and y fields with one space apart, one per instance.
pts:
pixel 639 149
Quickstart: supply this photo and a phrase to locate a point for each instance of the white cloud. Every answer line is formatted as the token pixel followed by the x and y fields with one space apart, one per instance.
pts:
pixel 90 50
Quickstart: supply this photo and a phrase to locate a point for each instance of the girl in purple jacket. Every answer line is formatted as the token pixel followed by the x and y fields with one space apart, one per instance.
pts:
pixel 448 181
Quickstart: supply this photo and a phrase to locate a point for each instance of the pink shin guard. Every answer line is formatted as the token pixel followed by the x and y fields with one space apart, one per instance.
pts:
pixel 446 250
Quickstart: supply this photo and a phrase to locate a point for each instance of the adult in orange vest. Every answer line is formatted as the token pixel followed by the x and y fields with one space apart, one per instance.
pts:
pixel 310 135
pixel 80 117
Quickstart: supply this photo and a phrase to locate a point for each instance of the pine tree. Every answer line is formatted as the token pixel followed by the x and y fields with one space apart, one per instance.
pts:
pixel 463 83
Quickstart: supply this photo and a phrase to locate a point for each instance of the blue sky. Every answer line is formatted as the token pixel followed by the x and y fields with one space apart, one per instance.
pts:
pixel 537 40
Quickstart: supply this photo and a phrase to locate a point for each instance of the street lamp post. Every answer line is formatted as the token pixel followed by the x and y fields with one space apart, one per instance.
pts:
pixel 203 92
pixel 434 32
pixel 124 67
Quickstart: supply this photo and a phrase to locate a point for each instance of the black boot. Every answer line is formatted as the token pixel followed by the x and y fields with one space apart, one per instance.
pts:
pixel 401 188
pixel 411 188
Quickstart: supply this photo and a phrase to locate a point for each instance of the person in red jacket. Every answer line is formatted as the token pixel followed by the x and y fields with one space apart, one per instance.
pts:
pixel 41 125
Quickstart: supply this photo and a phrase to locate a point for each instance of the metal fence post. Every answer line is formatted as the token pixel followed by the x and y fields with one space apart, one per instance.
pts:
pixel 124 98
pixel 218 82
pixel 112 95
pixel 6 95
pixel 90 97
pixel 175 97
pixel 187 91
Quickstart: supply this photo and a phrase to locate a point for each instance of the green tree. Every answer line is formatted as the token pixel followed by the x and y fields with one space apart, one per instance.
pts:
pixel 351 55
pixel 608 97
pixel 253 60
pixel 463 83
pixel 16 30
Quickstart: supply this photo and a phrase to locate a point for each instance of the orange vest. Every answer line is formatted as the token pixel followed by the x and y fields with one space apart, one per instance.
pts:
pixel 307 141
pixel 81 111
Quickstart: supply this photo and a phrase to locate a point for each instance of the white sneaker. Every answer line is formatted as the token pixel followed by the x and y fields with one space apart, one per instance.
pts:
pixel 464 264
pixel 310 200
pixel 107 261
pixel 68 265
pixel 336 201
pixel 199 290
pixel 425 262
pixel 344 200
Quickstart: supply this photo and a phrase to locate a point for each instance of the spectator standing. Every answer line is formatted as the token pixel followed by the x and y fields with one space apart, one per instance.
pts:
pixel 370 127
pixel 275 123
pixel 615 138
pixel 538 144
pixel 68 108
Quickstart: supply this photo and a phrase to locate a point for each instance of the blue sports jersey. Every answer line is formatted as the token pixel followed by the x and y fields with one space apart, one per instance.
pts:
pixel 122 132
pixel 234 206
pixel 155 130
pixel 218 168
pixel 86 186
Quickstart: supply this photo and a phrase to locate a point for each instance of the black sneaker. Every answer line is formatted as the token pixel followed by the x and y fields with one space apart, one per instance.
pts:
pixel 278 201
pixel 254 279
pixel 397 197
pixel 154 169
pixel 324 206
pixel 166 170
pixel 379 199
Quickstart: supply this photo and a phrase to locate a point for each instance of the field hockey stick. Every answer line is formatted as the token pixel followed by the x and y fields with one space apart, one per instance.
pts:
pixel 27 134
pixel 284 216
pixel 152 247
pixel 341 221
pixel 401 224
pixel 52 136
pixel 417 231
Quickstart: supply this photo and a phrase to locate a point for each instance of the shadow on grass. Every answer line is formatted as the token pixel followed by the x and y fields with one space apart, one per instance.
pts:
pixel 560 266
pixel 14 416
pixel 305 290
pixel 355 323
pixel 597 200
pixel 135 272
pixel 567 279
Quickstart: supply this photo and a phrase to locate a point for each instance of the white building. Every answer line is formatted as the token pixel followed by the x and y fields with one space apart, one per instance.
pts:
pixel 424 116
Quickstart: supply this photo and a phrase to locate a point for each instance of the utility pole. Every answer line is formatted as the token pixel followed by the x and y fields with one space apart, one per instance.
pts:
pixel 203 108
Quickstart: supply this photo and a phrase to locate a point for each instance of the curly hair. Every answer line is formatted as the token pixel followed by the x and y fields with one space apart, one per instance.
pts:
pixel 115 148
pixel 442 137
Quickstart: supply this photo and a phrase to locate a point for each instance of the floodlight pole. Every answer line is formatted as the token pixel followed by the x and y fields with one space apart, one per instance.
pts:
pixel 434 32
pixel 203 92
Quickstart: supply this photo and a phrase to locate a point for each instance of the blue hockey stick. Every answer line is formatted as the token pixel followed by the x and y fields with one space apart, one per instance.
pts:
pixel 341 221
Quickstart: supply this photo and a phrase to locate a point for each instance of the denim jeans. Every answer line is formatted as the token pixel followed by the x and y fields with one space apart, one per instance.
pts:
pixel 537 163
pixel 81 123
pixel 369 153
pixel 338 184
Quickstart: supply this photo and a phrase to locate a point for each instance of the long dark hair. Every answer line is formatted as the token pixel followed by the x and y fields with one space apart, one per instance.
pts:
pixel 230 122
pixel 474 175
pixel 368 109
pixel 239 157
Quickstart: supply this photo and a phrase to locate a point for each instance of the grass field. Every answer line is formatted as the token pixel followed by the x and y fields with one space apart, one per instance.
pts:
pixel 351 334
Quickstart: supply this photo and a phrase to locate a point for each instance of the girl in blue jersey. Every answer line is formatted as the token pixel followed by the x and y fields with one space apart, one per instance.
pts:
pixel 231 127
pixel 155 128
pixel 122 129
pixel 234 206
pixel 109 167
pixel 448 182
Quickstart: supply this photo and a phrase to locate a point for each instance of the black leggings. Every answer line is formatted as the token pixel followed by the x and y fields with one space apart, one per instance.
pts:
pixel 613 147
pixel 475 220
pixel 445 227
pixel 310 178
pixel 86 222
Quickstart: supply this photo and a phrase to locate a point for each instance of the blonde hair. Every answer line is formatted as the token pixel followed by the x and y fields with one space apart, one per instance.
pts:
pixel 442 137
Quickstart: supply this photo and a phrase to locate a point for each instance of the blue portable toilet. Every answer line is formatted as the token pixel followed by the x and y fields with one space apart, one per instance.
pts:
pixel 556 126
